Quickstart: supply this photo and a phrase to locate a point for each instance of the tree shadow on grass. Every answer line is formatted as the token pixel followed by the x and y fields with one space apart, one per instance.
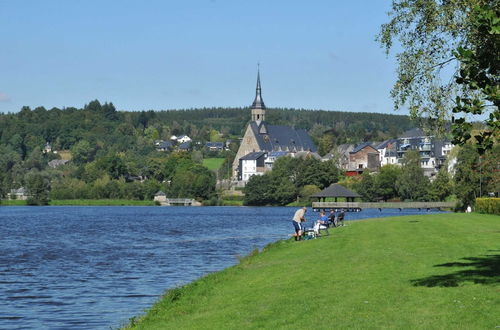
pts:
pixel 480 270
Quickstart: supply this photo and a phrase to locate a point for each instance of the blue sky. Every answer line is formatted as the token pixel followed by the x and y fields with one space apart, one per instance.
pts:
pixel 144 55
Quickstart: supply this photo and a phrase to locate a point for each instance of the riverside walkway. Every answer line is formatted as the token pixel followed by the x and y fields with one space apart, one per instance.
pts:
pixel 358 206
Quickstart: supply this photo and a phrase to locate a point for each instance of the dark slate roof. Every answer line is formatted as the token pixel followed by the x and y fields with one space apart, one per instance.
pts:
pixel 385 143
pixel 336 190
pixel 253 155
pixel 166 145
pixel 282 138
pixel 361 146
pixel 278 153
pixel 413 133
pixel 215 144
pixel 184 146
pixel 160 193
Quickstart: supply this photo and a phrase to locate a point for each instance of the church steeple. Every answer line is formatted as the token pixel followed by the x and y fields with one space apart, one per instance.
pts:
pixel 258 106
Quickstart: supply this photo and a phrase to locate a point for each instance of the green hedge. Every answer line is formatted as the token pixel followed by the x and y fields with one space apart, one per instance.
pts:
pixel 488 205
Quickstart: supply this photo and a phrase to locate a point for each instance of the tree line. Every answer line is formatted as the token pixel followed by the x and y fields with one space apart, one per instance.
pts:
pixel 109 147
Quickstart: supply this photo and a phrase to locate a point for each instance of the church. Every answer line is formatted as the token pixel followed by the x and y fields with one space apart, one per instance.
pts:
pixel 262 143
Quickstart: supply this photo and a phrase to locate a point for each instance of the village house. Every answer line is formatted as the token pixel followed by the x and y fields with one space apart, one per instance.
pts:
pixel 388 152
pixel 363 156
pixel 47 148
pixel 215 146
pixel 18 194
pixel 165 146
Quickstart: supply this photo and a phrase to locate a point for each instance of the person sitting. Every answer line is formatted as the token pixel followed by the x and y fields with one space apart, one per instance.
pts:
pixel 332 219
pixel 322 223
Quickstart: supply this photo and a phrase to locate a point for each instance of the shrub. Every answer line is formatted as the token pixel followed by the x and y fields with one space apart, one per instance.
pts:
pixel 488 205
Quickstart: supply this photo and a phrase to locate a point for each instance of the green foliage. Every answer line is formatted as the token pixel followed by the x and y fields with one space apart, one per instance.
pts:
pixel 412 184
pixel 488 205
pixel 258 190
pixel 38 185
pixel 467 176
pixel 307 191
pixel 288 177
pixel 82 152
pixel 433 35
pixel 386 180
pixel 479 76
pixel 367 187
pixel 442 186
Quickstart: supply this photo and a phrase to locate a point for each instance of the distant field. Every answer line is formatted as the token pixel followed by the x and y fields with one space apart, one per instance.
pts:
pixel 213 164
pixel 65 154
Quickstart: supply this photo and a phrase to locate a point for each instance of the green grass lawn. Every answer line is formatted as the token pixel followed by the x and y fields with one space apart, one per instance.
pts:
pixel 85 202
pixel 213 164
pixel 414 272
pixel 14 202
pixel 101 202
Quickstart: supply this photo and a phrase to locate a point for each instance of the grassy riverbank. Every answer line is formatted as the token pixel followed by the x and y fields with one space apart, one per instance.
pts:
pixel 428 272
pixel 85 202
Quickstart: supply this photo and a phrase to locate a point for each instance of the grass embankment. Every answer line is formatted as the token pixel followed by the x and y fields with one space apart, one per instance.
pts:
pixel 101 202
pixel 428 272
pixel 14 202
pixel 85 202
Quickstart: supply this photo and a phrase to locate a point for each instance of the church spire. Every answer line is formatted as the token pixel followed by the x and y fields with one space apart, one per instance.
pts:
pixel 258 103
pixel 258 107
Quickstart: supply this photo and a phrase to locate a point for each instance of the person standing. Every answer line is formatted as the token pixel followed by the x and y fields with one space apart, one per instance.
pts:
pixel 298 218
pixel 341 217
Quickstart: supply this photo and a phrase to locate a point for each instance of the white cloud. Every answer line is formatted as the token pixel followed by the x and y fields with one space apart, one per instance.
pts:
pixel 4 97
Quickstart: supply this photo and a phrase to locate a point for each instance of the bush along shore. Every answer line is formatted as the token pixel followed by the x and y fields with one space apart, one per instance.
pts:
pixel 428 272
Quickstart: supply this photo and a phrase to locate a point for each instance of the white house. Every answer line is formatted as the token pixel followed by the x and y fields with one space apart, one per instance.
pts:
pixel 184 139
pixel 251 164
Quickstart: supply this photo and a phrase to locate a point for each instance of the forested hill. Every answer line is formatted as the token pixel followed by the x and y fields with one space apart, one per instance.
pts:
pixel 124 130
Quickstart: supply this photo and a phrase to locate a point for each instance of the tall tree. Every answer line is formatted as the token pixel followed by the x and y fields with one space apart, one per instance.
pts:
pixel 386 181
pixel 439 36
pixel 441 187
pixel 412 183
pixel 367 187
pixel 467 176
pixel 38 186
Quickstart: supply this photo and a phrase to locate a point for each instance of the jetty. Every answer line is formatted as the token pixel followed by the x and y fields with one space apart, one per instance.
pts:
pixel 161 198
pixel 358 206
pixel 335 191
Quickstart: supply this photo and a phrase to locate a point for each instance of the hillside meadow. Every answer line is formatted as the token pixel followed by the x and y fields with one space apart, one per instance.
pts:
pixel 419 272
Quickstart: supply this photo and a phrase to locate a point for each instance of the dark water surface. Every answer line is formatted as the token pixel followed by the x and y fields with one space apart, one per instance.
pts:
pixel 95 267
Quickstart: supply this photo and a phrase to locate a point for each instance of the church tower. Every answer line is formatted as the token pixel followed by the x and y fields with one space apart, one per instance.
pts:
pixel 258 107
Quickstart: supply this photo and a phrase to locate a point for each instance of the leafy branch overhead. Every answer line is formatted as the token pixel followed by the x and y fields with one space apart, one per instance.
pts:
pixel 448 64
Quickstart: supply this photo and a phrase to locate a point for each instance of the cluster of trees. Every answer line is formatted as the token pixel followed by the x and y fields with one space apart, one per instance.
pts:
pixel 474 175
pixel 290 180
pixel 176 174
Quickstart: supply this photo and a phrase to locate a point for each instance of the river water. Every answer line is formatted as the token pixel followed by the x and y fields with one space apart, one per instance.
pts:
pixel 96 267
